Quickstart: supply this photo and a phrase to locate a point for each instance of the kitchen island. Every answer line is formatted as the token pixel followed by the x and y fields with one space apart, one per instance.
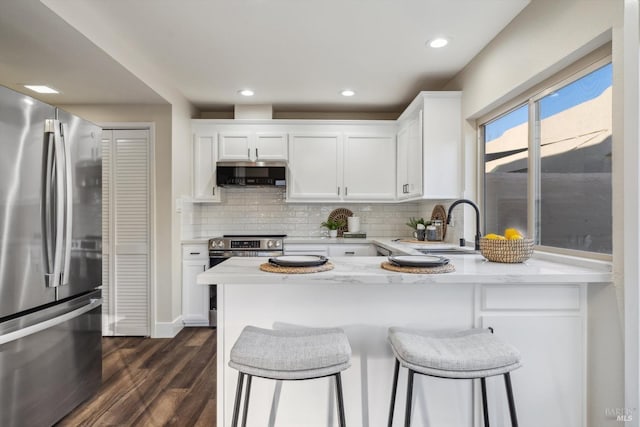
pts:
pixel 540 307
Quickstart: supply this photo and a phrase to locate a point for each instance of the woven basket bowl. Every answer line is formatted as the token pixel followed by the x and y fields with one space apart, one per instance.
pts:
pixel 508 251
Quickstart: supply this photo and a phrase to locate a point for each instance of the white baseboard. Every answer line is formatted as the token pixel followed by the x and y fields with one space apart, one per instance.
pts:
pixel 168 329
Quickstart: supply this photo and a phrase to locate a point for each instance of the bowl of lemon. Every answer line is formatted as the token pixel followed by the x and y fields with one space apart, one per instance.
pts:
pixel 512 247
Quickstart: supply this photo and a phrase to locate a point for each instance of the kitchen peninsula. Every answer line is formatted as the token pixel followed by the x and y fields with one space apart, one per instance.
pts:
pixel 540 307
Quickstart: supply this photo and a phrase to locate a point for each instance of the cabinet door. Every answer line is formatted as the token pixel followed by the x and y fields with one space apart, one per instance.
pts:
pixel 410 158
pixel 305 249
pixel 315 167
pixel 270 146
pixel 442 129
pixel 552 373
pixel 204 167
pixel 369 168
pixel 362 249
pixel 234 146
pixel 195 298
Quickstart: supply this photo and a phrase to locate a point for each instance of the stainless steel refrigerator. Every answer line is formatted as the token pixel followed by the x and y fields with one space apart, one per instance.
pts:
pixel 50 261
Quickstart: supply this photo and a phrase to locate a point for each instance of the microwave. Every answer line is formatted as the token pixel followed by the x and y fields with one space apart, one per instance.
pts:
pixel 251 174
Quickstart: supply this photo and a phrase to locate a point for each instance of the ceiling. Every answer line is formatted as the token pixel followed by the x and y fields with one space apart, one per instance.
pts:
pixel 295 54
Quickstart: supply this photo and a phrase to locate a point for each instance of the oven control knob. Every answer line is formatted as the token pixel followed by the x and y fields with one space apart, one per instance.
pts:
pixel 270 244
pixel 220 243
pixel 278 243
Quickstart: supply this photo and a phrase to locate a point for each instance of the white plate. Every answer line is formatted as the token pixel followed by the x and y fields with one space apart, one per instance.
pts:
pixel 419 260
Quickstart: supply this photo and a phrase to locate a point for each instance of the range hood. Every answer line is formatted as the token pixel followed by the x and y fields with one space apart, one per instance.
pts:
pixel 251 174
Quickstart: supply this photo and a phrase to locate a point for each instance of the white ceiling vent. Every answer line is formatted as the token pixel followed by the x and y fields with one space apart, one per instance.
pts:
pixel 253 112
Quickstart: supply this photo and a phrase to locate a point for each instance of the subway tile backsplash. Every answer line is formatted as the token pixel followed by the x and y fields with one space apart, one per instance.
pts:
pixel 264 210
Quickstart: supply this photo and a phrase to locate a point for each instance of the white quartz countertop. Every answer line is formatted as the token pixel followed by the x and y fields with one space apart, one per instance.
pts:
pixel 367 270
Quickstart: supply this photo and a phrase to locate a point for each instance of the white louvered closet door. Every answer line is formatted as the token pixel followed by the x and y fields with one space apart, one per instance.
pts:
pixel 129 231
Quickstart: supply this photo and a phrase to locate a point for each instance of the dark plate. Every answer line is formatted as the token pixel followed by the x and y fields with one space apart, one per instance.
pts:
pixel 418 260
pixel 298 260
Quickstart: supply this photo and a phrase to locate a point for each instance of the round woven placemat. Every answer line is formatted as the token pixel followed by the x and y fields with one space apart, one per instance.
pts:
pixel 448 268
pixel 271 268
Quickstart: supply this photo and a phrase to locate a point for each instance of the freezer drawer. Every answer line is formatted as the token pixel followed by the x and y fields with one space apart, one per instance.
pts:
pixel 54 367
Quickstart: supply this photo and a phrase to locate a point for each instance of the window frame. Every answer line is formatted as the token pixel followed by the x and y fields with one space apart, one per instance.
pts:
pixel 563 78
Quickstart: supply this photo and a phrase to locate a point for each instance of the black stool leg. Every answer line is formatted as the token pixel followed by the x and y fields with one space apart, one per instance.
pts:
pixel 485 407
pixel 407 412
pixel 341 421
pixel 246 402
pixel 393 393
pixel 512 405
pixel 236 405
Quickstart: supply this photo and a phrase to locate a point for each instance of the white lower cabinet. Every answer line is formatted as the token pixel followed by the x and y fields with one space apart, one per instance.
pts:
pixel 330 249
pixel 553 369
pixel 195 298
pixel 362 249
pixel 305 249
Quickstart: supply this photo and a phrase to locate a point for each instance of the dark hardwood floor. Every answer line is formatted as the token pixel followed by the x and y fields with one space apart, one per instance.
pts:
pixel 154 382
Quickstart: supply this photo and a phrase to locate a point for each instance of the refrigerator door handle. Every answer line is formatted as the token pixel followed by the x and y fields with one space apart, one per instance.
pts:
pixel 30 330
pixel 46 212
pixel 60 202
pixel 68 197
pixel 52 127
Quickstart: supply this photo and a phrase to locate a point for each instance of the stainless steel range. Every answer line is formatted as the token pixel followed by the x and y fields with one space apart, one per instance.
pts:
pixel 229 245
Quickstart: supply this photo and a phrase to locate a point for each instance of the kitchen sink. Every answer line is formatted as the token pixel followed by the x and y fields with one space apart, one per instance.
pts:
pixel 447 251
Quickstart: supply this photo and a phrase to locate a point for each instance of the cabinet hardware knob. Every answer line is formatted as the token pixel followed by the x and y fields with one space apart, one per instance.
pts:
pixel 350 253
pixel 346 191
pixel 248 152
pixel 257 153
pixel 338 191
pixel 194 253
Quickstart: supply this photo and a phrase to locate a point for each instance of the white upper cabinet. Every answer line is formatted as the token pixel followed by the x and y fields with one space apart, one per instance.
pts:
pixel 442 139
pixel 430 147
pixel 270 146
pixel 315 166
pixel 355 163
pixel 205 156
pixel 409 164
pixel 369 172
pixel 233 146
pixel 252 146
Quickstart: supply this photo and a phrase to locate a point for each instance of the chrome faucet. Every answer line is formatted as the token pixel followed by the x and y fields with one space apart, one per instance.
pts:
pixel 469 202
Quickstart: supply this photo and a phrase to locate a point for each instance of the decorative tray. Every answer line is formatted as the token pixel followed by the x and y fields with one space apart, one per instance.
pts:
pixel 298 260
pixel 418 260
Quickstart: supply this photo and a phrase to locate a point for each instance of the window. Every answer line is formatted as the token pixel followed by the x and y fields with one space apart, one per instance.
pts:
pixel 506 163
pixel 557 178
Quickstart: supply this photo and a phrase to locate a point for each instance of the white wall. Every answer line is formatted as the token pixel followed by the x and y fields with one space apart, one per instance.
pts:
pixel 175 174
pixel 542 40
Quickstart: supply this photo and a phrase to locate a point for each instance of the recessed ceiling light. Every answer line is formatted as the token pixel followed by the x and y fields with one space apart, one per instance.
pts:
pixel 347 92
pixel 41 89
pixel 246 92
pixel 438 42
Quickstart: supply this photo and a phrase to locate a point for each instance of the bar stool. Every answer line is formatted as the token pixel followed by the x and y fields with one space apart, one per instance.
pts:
pixel 289 354
pixel 468 354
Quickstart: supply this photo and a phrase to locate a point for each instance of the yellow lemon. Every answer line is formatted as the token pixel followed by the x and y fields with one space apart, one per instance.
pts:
pixel 492 236
pixel 511 232
pixel 515 237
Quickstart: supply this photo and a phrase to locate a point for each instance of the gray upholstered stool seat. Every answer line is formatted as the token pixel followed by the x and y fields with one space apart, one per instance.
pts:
pixel 289 354
pixel 473 353
pixel 467 354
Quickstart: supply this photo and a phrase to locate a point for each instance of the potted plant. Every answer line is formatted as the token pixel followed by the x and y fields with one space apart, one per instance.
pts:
pixel 333 225
pixel 418 225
